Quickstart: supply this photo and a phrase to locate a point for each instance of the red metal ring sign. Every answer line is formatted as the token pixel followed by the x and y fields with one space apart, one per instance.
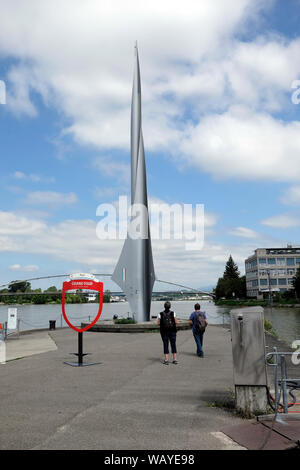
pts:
pixel 82 284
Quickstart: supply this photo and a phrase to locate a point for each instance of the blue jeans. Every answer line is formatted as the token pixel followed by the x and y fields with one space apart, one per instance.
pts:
pixel 166 337
pixel 199 342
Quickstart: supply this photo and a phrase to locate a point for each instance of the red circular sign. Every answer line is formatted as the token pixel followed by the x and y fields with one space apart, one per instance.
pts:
pixel 82 284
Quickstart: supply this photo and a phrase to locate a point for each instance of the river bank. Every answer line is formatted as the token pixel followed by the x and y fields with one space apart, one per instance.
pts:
pixel 256 303
pixel 285 321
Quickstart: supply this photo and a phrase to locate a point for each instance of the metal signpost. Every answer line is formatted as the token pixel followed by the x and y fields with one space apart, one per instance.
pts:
pixel 82 281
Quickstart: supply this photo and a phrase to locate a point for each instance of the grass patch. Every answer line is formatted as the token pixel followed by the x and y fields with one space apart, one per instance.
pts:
pixel 242 303
pixel 226 404
pixel 269 328
pixel 125 321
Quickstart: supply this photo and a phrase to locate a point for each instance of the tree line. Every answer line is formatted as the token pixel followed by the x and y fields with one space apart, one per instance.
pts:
pixel 232 285
pixel 20 292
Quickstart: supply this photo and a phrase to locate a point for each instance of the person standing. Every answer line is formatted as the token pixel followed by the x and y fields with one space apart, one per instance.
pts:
pixel 198 322
pixel 167 321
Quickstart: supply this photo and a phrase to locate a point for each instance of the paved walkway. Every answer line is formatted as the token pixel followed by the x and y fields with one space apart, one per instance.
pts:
pixel 129 401
pixel 28 345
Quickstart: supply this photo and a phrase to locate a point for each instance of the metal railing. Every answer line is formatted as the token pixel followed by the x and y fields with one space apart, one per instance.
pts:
pixel 283 385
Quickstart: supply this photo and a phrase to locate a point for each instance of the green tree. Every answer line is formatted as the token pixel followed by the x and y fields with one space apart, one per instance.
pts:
pixel 19 286
pixel 106 296
pixel 231 285
pixel 54 294
pixel 38 299
pixel 242 293
pixel 231 270
pixel 51 289
pixel 3 298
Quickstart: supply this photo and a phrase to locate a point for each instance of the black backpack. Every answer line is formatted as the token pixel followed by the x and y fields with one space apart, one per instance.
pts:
pixel 200 324
pixel 167 321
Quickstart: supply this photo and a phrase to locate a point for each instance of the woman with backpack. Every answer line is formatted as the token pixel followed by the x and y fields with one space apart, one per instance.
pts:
pixel 167 321
pixel 199 322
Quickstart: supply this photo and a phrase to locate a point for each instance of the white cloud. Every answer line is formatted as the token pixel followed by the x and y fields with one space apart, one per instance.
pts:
pixel 33 177
pixel 283 221
pixel 75 242
pixel 244 232
pixel 28 268
pixel 192 66
pixel 291 196
pixel 117 170
pixel 261 72
pixel 50 198
pixel 14 267
pixel 13 224
pixel 19 175
pixel 18 94
pixel 31 268
pixel 241 144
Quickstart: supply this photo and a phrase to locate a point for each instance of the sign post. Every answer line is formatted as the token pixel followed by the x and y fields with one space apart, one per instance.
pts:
pixel 82 281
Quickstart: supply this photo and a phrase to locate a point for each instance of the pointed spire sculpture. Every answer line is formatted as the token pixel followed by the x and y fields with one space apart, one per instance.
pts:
pixel 134 272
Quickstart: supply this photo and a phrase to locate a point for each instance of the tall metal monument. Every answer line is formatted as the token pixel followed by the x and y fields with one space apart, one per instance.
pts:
pixel 134 272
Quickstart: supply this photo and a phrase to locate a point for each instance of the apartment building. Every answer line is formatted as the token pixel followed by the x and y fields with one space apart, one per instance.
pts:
pixel 271 269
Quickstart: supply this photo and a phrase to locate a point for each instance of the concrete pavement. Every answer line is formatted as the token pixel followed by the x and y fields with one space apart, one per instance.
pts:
pixel 29 345
pixel 129 401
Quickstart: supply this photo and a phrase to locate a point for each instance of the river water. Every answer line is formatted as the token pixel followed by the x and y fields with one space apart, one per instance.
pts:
pixel 285 321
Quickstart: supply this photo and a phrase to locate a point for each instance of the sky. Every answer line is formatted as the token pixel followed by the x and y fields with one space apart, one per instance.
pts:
pixel 220 119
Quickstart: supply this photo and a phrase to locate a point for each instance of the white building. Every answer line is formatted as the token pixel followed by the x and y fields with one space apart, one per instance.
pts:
pixel 271 269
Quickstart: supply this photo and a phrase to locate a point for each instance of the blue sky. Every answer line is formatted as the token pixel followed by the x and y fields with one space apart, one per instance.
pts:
pixel 219 126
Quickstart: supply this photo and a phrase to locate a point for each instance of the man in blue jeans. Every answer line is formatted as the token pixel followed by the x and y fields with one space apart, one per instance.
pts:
pixel 198 335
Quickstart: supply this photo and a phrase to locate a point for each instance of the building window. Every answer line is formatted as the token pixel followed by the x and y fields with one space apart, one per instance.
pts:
pixel 290 281
pixel 298 260
pixel 281 261
pixel 290 261
pixel 262 261
pixel 255 283
pixel 273 282
pixel 271 261
pixel 282 290
pixel 290 271
pixel 278 272
pixel 282 282
pixel 263 282
pixel 263 272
